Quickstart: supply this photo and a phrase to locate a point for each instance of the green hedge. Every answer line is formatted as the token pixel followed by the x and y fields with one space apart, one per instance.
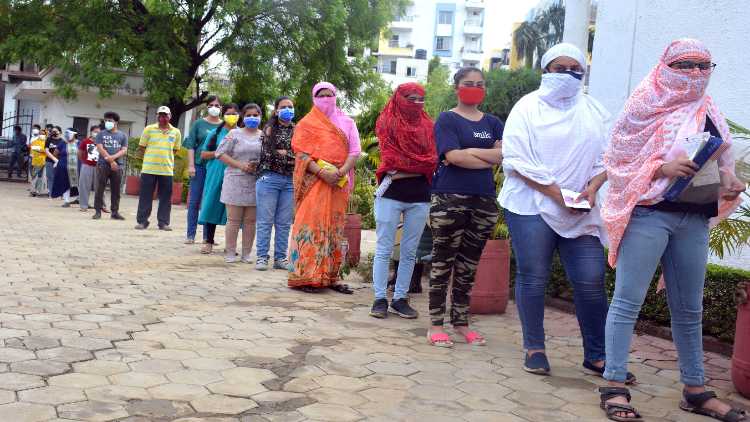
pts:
pixel 719 310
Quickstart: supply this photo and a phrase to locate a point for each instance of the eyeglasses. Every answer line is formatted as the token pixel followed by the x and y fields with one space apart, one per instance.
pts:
pixel 690 65
pixel 562 69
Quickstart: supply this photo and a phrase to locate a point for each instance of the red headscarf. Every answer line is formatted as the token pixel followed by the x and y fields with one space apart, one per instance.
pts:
pixel 405 135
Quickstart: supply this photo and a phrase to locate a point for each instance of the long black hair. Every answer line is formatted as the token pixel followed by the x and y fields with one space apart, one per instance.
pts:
pixel 212 142
pixel 273 123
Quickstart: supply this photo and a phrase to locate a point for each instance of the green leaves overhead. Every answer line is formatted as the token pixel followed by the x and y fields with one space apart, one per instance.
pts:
pixel 269 47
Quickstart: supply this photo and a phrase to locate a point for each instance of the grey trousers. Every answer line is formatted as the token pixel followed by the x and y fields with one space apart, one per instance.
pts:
pixel 86 185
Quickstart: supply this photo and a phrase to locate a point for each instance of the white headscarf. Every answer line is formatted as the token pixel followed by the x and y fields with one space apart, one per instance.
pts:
pixel 563 49
pixel 555 134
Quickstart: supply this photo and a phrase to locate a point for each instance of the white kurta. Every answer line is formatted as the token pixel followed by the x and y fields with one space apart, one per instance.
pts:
pixel 561 144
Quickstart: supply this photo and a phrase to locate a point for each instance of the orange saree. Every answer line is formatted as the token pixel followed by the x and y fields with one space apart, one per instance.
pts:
pixel 320 209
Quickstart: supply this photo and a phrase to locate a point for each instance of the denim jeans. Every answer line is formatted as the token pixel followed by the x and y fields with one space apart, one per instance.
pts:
pixel 274 196
pixel 194 205
pixel 387 218
pixel 534 244
pixel 49 170
pixel 680 242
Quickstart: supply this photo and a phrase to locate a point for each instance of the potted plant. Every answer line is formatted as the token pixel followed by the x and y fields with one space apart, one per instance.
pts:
pixel 180 169
pixel 741 354
pixel 492 281
pixel 134 162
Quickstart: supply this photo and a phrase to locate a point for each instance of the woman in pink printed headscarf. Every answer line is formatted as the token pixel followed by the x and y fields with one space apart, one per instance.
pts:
pixel 647 151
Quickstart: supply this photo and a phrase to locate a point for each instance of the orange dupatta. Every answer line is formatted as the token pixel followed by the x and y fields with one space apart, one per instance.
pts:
pixel 320 209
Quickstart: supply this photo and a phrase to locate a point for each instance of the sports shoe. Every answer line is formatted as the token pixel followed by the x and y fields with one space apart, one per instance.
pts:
pixel 537 363
pixel 97 215
pixel 247 259
pixel 231 258
pixel 261 264
pixel 379 308
pixel 140 226
pixel 66 205
pixel 281 264
pixel 166 228
pixel 401 308
pixel 117 216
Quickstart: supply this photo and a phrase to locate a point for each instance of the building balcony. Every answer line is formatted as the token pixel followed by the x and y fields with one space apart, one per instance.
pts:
pixel 404 23
pixel 390 48
pixel 475 4
pixel 471 54
pixel 473 26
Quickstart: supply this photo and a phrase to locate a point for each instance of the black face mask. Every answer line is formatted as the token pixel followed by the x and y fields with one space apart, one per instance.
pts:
pixel 576 75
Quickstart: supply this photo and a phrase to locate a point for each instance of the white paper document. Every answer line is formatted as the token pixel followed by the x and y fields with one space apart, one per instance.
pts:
pixel 570 200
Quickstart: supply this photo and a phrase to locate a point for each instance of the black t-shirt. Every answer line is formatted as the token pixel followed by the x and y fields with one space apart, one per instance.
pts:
pixel 410 189
pixel 452 132
pixel 51 145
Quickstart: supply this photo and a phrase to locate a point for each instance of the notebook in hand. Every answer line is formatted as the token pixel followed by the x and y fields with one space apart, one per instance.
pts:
pixel 702 149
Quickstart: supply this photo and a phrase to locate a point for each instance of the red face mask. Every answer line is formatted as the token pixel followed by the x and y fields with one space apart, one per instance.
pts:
pixel 471 95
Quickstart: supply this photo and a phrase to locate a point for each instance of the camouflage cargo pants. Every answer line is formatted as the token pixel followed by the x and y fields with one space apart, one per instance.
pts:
pixel 461 225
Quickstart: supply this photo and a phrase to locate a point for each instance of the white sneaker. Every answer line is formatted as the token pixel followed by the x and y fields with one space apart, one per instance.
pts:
pixel 247 259
pixel 261 264
pixel 231 259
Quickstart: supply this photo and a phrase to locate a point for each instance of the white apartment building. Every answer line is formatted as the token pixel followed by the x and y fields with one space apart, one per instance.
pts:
pixel 452 30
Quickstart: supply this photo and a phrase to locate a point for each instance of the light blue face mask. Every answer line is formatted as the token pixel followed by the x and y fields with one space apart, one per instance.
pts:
pixel 286 114
pixel 251 121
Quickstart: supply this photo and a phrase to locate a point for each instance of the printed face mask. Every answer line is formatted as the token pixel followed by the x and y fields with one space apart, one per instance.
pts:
pixel 471 95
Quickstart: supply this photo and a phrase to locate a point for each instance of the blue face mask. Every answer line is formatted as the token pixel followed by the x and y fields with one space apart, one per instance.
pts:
pixel 576 75
pixel 286 114
pixel 252 121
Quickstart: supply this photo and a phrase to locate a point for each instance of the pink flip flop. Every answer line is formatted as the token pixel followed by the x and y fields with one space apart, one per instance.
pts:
pixel 475 339
pixel 440 340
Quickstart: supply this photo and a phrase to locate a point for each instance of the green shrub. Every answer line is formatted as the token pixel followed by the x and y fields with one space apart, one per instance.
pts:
pixel 719 310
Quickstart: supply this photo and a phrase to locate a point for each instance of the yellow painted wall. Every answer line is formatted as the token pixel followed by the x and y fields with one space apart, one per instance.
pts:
pixel 515 61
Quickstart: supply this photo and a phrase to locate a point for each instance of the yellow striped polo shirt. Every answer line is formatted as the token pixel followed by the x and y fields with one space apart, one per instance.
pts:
pixel 160 148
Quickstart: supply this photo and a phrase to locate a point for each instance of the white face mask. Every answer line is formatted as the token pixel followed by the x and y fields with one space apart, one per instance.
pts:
pixel 559 89
pixel 214 111
pixel 35 132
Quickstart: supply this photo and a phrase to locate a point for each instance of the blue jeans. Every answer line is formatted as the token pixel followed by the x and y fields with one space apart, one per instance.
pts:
pixel 534 244
pixel 680 242
pixel 49 170
pixel 274 195
pixel 194 205
pixel 387 218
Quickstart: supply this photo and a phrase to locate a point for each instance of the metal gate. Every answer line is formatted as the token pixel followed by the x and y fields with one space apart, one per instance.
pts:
pixel 9 152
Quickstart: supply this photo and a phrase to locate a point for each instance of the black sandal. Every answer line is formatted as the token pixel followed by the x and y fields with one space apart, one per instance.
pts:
pixel 599 372
pixel 342 288
pixel 612 409
pixel 693 403
pixel 307 289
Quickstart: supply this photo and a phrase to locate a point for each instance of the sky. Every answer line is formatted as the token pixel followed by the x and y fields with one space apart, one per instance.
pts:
pixel 499 19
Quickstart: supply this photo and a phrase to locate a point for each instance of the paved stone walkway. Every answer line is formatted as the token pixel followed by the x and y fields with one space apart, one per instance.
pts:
pixel 99 322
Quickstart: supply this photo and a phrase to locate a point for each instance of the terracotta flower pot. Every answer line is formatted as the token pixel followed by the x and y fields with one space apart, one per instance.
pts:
pixel 353 234
pixel 741 355
pixel 176 193
pixel 133 185
pixel 491 282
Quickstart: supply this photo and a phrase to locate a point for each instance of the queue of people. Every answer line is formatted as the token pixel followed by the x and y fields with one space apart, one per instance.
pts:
pixel 556 153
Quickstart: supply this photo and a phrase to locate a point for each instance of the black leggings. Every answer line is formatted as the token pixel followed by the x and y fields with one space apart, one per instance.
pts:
pixel 210 232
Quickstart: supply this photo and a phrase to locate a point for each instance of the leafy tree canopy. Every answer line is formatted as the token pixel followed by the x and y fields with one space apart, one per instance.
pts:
pixel 270 46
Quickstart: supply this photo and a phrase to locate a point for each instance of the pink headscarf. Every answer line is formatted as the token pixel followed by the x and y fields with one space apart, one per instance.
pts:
pixel 667 106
